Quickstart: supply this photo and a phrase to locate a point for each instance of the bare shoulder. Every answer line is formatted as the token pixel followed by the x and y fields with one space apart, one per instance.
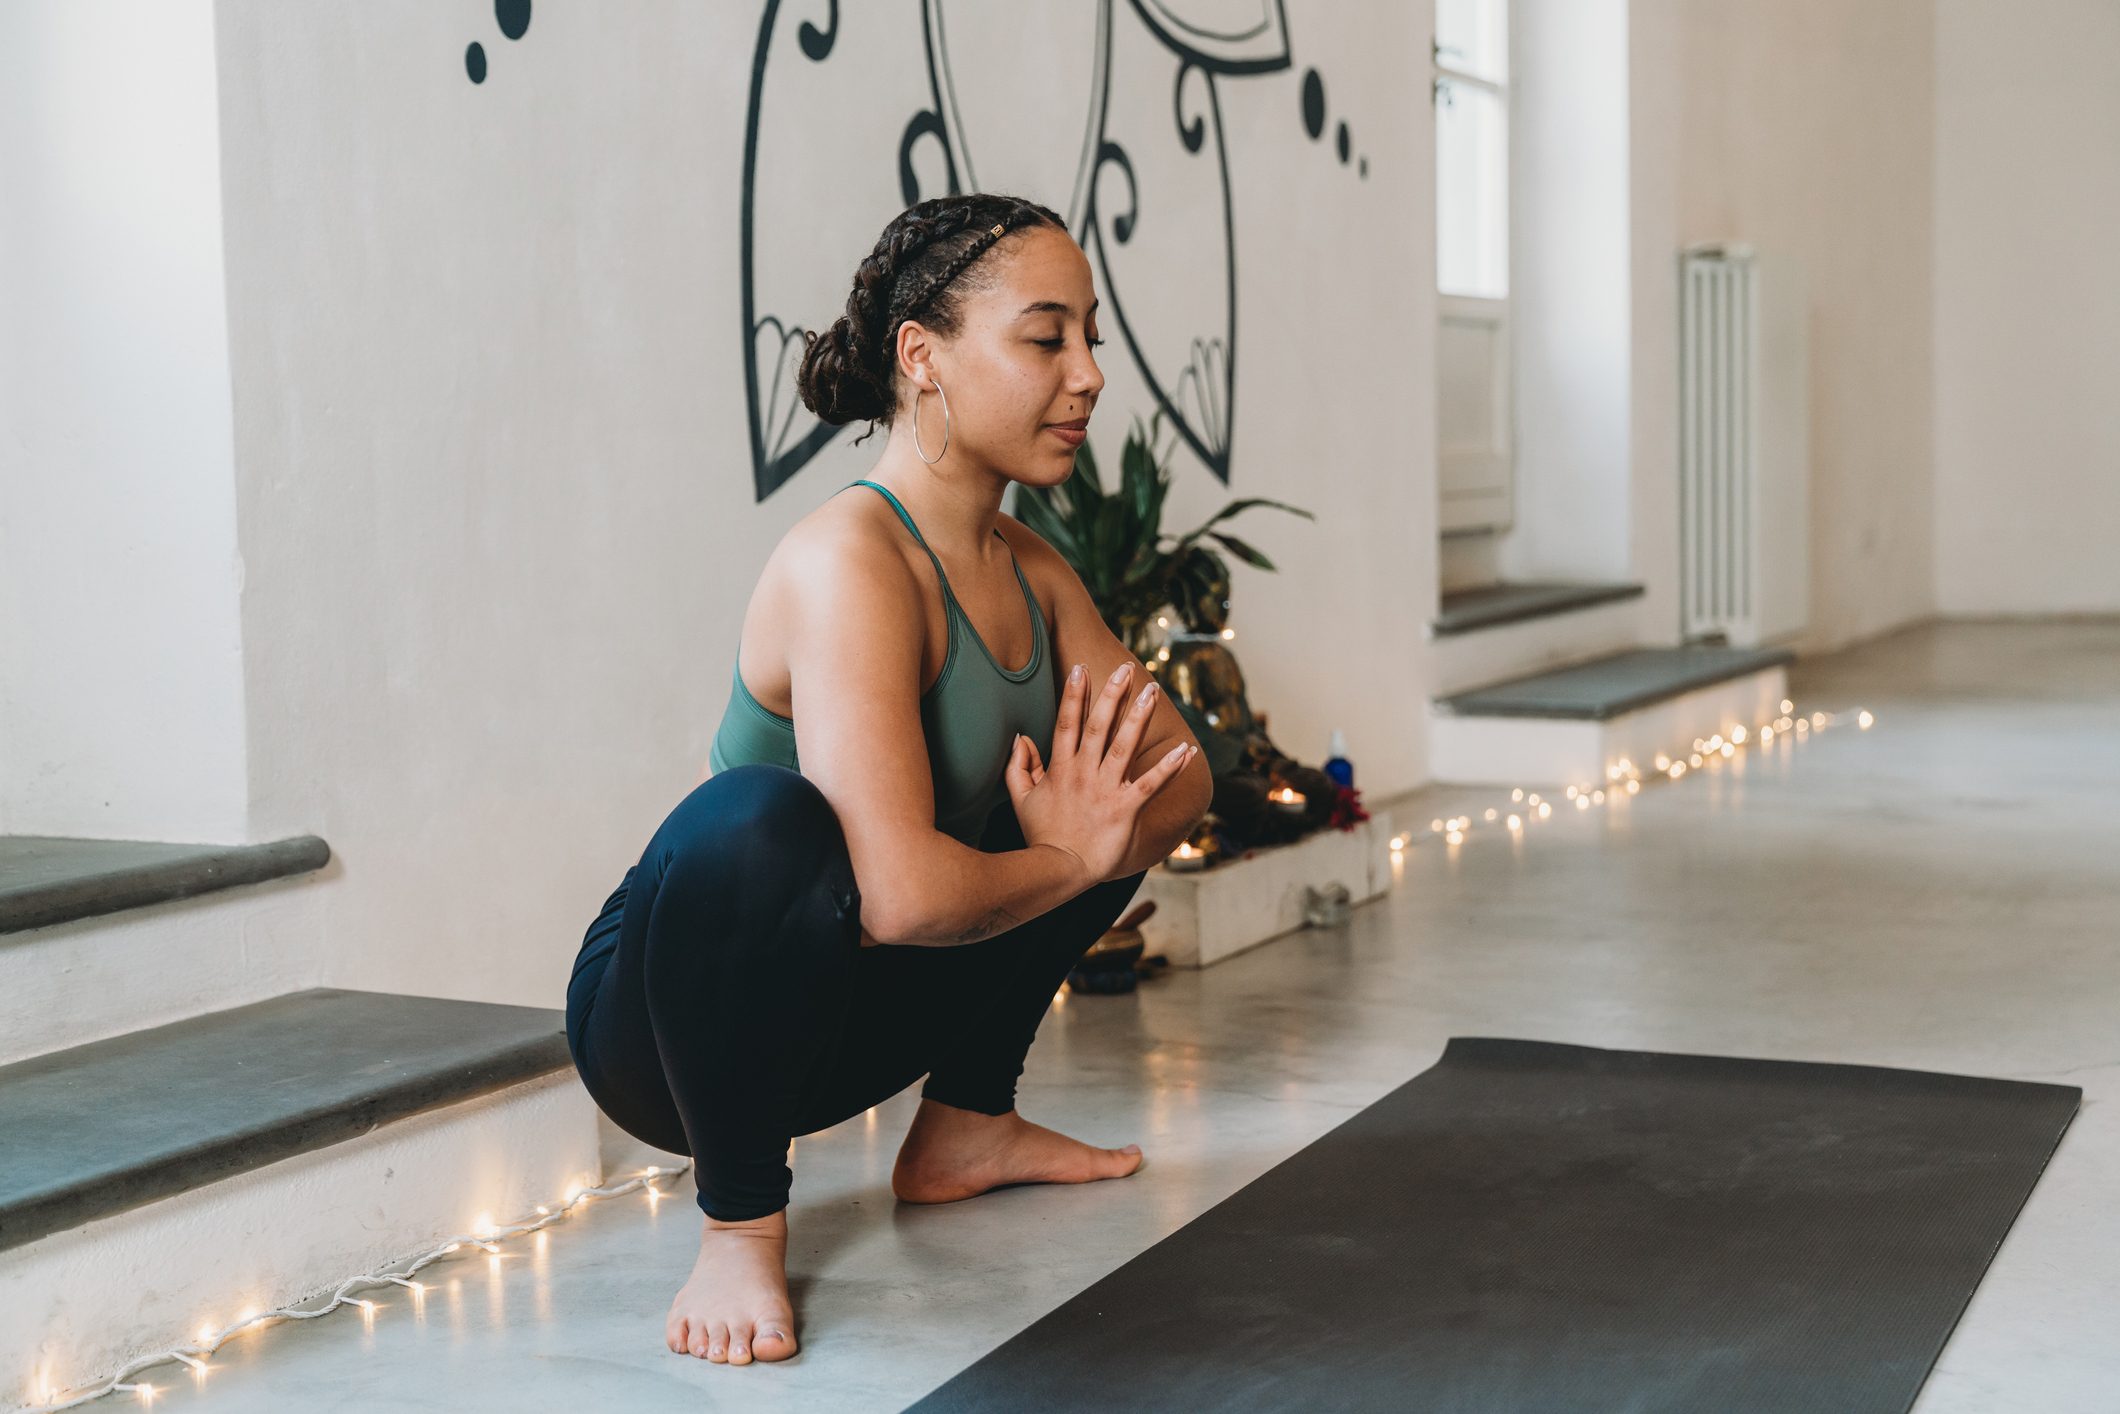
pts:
pixel 838 548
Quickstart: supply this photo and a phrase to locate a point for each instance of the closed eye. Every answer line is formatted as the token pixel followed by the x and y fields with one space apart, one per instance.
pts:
pixel 1056 343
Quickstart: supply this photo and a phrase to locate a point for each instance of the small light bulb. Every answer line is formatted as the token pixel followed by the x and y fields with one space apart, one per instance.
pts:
pixel 1728 751
pixel 1582 802
pixel 1634 787
pixel 1663 762
pixel 1737 734
pixel 1516 822
pixel 1517 794
pixel 1455 837
pixel 1571 792
pixel 1597 797
pixel 1436 826
pixel 1787 705
pixel 543 1211
pixel 206 1334
pixel 1863 720
pixel 1545 808
pixel 1491 812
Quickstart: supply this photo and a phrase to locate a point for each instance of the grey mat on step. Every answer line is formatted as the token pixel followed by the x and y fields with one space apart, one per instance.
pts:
pixel 1533 1227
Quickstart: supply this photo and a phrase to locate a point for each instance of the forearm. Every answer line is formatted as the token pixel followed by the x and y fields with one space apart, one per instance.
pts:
pixel 962 895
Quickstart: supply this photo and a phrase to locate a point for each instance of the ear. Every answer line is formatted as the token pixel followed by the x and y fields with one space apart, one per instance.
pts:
pixel 915 354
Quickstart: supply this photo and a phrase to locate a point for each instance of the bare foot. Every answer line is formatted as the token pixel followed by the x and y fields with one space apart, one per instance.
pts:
pixel 734 1306
pixel 951 1153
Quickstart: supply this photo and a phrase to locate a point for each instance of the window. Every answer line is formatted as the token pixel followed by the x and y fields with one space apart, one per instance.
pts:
pixel 1475 421
pixel 1471 91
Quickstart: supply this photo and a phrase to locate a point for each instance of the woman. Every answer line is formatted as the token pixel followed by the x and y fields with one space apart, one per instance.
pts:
pixel 800 942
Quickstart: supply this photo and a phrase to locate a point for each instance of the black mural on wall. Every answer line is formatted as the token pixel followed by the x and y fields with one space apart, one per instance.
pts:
pixel 923 107
pixel 513 17
pixel 933 117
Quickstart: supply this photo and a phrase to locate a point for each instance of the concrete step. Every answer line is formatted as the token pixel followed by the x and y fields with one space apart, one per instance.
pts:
pixel 171 1177
pixel 1511 647
pixel 102 937
pixel 1570 725
pixel 1491 605
pixel 52 879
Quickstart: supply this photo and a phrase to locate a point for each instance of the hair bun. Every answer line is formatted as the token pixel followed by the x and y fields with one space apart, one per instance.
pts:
pixel 836 380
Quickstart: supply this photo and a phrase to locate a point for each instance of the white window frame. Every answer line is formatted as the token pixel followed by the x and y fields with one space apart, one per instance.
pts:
pixel 1476 480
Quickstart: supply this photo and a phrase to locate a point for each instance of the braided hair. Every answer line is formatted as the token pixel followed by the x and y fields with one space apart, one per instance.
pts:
pixel 850 370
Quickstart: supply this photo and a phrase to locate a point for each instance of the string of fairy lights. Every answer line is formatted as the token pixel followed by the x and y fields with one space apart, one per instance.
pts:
pixel 485 1235
pixel 1624 777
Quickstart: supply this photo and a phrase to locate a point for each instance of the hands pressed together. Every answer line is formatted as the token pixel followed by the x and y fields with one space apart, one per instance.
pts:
pixel 1081 801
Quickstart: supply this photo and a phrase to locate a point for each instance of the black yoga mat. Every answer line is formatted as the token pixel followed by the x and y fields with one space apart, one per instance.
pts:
pixel 1531 1227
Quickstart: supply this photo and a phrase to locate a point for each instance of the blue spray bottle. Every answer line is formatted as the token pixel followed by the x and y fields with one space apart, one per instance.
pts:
pixel 1337 766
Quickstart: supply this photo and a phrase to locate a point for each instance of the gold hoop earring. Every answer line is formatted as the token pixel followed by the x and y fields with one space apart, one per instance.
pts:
pixel 919 450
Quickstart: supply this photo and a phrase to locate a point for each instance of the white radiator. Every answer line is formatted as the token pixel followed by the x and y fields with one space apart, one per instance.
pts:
pixel 1743 447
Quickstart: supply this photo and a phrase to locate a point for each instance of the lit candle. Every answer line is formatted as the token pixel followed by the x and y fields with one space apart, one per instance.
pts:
pixel 1288 799
pixel 1185 857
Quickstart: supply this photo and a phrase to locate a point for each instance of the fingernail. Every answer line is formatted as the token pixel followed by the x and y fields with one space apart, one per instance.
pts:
pixel 1074 674
pixel 1147 692
pixel 1119 673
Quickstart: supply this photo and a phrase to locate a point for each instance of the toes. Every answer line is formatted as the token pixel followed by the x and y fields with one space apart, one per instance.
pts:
pixel 739 1345
pixel 716 1344
pixel 772 1342
pixel 677 1335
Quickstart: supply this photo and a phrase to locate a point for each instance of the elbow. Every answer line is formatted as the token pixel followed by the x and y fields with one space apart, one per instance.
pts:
pixel 881 921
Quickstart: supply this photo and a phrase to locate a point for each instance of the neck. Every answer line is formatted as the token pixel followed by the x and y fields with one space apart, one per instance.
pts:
pixel 957 503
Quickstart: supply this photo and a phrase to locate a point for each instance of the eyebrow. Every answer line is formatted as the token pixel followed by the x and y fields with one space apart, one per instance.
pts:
pixel 1052 306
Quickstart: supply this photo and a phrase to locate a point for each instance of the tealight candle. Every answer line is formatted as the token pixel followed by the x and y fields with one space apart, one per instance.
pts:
pixel 1289 799
pixel 1185 857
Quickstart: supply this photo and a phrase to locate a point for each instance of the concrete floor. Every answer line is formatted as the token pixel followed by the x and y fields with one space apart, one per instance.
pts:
pixel 1936 892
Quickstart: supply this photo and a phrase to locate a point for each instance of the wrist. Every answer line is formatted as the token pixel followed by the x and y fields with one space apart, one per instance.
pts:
pixel 1081 869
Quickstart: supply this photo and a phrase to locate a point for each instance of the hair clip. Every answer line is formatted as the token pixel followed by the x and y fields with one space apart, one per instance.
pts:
pixel 997 230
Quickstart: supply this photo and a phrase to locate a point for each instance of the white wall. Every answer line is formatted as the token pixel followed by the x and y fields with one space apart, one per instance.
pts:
pixel 1806 127
pixel 495 484
pixel 121 663
pixel 2027 306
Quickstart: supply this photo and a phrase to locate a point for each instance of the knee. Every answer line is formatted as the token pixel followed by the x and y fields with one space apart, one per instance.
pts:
pixel 744 844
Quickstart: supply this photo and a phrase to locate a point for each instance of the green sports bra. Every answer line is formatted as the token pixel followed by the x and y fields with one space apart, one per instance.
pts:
pixel 970 717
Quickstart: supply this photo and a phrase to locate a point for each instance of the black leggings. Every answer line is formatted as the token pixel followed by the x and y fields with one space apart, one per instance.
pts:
pixel 739 1008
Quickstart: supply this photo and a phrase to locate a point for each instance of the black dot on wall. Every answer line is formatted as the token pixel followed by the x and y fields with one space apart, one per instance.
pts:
pixel 475 63
pixel 1313 103
pixel 1343 142
pixel 513 16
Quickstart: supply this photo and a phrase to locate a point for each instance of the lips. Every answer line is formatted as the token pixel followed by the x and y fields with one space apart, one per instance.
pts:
pixel 1080 424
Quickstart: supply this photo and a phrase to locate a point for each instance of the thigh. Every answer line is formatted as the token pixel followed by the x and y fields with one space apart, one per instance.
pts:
pixel 712 891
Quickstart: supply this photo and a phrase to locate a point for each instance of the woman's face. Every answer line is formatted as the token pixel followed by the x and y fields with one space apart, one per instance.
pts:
pixel 1022 361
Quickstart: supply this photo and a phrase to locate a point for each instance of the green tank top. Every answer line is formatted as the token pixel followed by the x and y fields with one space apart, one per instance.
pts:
pixel 969 717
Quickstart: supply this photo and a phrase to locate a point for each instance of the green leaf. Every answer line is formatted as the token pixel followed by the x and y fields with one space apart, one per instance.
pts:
pixel 1243 551
pixel 1247 503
